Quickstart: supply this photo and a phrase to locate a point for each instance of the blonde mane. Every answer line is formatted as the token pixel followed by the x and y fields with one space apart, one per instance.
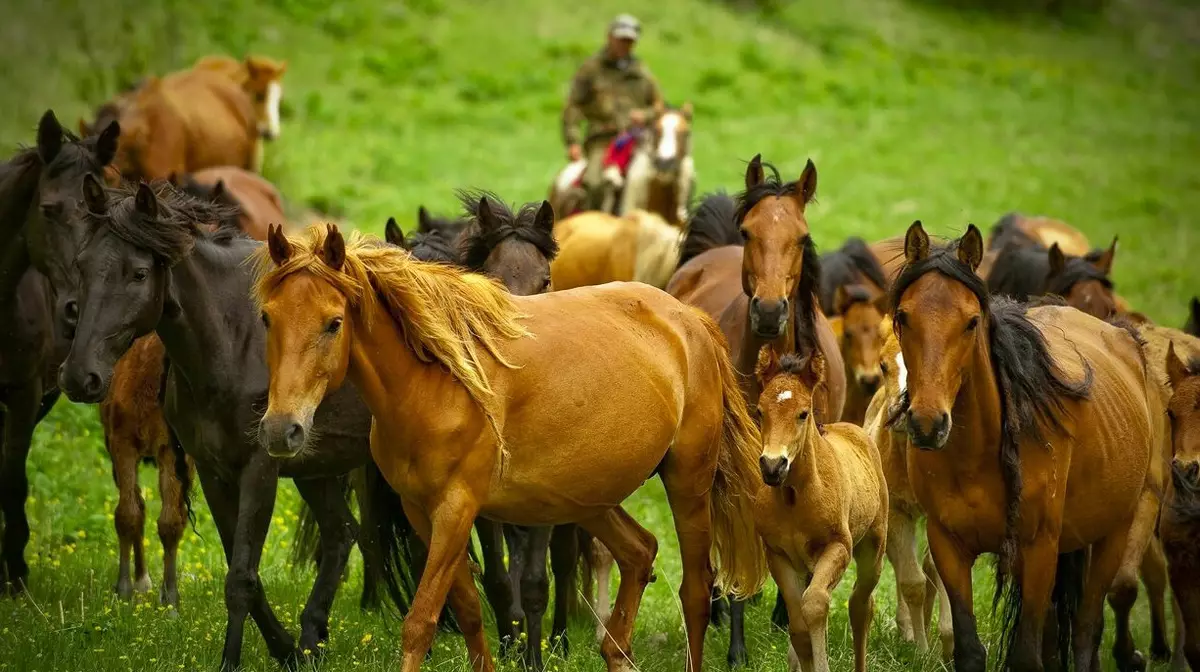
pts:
pixel 446 315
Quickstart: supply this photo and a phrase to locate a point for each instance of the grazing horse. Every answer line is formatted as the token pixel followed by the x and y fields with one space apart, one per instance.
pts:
pixel 596 247
pixel 1192 326
pixel 1065 405
pixel 184 122
pixel 452 363
pixel 189 284
pixel 257 201
pixel 751 264
pixel 1180 526
pixel 827 503
pixel 662 174
pixel 1026 272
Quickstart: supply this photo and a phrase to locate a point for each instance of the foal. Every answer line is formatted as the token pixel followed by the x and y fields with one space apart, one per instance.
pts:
pixel 828 502
pixel 1180 527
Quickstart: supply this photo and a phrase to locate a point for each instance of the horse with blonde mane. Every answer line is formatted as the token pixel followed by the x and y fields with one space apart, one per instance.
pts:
pixel 595 248
pixel 510 402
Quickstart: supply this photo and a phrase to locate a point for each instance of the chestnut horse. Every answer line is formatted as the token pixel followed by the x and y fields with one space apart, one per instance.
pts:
pixel 828 503
pixel 452 363
pixel 596 247
pixel 259 77
pixel 257 201
pixel 1065 404
pixel 751 264
pixel 1180 526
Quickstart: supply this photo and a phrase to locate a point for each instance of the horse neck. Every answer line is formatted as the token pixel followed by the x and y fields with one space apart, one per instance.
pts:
pixel 663 199
pixel 211 332
pixel 975 436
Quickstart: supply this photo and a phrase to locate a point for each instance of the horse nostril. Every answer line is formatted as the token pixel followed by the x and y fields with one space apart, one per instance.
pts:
pixel 91 384
pixel 71 309
pixel 294 436
pixel 754 303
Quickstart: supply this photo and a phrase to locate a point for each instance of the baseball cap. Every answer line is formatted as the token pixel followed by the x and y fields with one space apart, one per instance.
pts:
pixel 625 27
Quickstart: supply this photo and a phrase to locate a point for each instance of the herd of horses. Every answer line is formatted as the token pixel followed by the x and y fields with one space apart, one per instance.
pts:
pixel 520 375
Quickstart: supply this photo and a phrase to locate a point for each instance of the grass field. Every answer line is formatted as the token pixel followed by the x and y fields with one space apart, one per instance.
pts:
pixel 910 109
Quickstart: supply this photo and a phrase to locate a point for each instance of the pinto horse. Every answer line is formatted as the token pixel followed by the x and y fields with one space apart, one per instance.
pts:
pixel 751 264
pixel 596 247
pixel 452 363
pixel 1064 403
pixel 178 278
pixel 662 173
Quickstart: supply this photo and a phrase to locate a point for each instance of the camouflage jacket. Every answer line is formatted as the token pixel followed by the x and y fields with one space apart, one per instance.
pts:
pixel 603 93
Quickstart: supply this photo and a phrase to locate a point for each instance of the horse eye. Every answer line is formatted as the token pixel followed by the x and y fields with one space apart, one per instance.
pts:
pixel 334 325
pixel 901 319
pixel 140 275
pixel 883 367
pixel 972 323
pixel 266 320
pixel 260 97
pixel 745 235
pixel 803 416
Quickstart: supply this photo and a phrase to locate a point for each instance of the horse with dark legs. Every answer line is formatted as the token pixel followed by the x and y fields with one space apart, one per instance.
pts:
pixel 1065 404
pixel 188 284
pixel 1180 526
pixel 752 265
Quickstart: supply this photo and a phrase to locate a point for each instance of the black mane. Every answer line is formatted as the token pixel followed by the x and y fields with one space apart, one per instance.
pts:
pixel 1078 269
pixel 1032 387
pixel 770 186
pixel 171 236
pixel 224 197
pixel 1023 273
pixel 432 246
pixel 1005 232
pixel 847 267
pixel 711 225
pixel 477 244
pixel 18 183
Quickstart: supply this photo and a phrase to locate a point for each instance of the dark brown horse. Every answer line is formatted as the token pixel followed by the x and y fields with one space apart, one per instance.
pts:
pixel 752 265
pixel 1024 272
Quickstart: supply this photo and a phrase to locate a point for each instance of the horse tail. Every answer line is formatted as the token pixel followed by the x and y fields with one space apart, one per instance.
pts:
pixel 712 225
pixel 183 464
pixel 1068 593
pixel 740 557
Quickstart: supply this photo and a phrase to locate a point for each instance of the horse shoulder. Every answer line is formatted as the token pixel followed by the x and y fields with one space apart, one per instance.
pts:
pixel 864 483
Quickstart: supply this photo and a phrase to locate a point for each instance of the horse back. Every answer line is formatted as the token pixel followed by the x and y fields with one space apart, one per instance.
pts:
pixel 593 248
pixel 216 116
pixel 710 281
pixel 258 199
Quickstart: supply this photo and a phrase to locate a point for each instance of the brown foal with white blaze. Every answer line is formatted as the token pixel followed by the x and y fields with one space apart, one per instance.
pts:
pixel 494 405
pixel 828 502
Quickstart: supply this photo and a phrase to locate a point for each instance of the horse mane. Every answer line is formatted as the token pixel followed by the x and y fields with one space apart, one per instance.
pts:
pixel 1005 232
pixel 171 236
pixel 432 246
pixel 205 192
pixel 18 183
pixel 446 315
pixel 1077 269
pixel 844 267
pixel 711 225
pixel 1033 389
pixel 771 186
pixel 1019 272
pixel 477 243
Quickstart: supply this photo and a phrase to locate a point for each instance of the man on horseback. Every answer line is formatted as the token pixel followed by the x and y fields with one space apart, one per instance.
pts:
pixel 615 94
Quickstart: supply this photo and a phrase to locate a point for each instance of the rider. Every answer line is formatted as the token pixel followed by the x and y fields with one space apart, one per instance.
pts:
pixel 614 92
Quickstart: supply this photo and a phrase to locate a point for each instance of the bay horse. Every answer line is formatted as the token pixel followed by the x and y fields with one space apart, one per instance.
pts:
pixel 1192 326
pixel 827 502
pixel 451 362
pixel 751 264
pixel 1065 405
pixel 1180 525
pixel 187 283
pixel 662 173
pixel 1027 272
pixel 1045 232
pixel 596 247
pixel 257 201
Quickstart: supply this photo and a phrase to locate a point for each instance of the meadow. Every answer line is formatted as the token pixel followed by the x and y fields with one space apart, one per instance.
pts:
pixel 911 109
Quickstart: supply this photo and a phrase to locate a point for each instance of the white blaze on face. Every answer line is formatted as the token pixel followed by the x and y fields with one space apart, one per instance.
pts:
pixel 668 144
pixel 784 396
pixel 274 95
pixel 901 372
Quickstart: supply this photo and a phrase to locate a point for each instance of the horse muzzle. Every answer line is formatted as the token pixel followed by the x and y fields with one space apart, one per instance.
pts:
pixel 774 469
pixel 81 384
pixel 283 435
pixel 868 381
pixel 1185 474
pixel 768 317
pixel 928 431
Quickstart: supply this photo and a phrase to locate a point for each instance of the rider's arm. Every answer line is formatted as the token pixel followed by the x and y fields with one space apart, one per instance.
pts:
pixel 653 97
pixel 573 116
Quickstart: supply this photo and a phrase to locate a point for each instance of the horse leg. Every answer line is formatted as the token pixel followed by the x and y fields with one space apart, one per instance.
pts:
pixel 496 584
pixel 792 584
pixel 603 606
pixel 910 580
pixel 738 656
pixel 228 502
pixel 683 187
pixel 779 615
pixel 446 534
pixel 1154 575
pixel 1124 589
pixel 868 565
pixel 20 418
pixel 564 556
pixel 718 613
pixel 954 567
pixel 935 589
pixel 368 541
pixel 535 592
pixel 1107 556
pixel 337 534
pixel 1182 570
pixel 174 480
pixel 130 516
pixel 634 549
pixel 827 571
pixel 1036 583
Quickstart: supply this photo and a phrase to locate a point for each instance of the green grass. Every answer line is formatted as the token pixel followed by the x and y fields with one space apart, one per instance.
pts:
pixel 910 109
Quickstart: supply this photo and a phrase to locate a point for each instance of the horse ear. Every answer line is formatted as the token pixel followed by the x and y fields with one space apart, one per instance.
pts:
pixel 840 300
pixel 916 243
pixel 173 178
pixel 807 184
pixel 145 202
pixel 487 218
pixel 106 144
pixel 1058 261
pixel 1105 261
pixel 424 223
pixel 768 364
pixel 49 137
pixel 393 234
pixel 659 108
pixel 754 172
pixel 1177 371
pixel 883 303
pixel 278 244
pixel 334 251
pixel 687 110
pixel 816 369
pixel 93 194
pixel 545 218
pixel 970 247
pixel 84 129
pixel 281 67
pixel 218 191
pixel 838 324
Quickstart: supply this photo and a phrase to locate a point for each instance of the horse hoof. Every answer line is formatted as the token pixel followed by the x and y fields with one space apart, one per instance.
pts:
pixel 1137 663
pixel 142 585
pixel 737 658
pixel 1160 652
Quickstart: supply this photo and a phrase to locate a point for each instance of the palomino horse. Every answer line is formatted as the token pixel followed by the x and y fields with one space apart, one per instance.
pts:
pixel 1027 272
pixel 189 284
pixel 259 77
pixel 595 248
pixel 1065 404
pixel 454 364
pixel 1180 526
pixel 828 503
pixel 662 174
pixel 752 265
pixel 257 201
